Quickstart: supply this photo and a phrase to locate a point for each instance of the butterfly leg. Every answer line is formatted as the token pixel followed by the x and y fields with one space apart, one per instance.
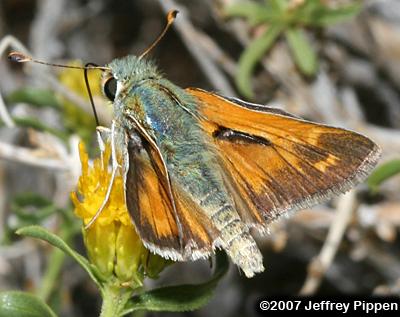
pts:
pixel 100 131
pixel 114 164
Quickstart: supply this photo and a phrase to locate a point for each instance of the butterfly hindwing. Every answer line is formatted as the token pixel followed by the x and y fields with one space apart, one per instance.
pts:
pixel 279 162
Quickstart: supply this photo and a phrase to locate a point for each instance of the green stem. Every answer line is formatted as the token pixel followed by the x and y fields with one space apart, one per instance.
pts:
pixel 56 262
pixel 50 277
pixel 115 299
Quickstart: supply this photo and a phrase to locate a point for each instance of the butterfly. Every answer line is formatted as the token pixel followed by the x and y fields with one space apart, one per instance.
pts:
pixel 202 170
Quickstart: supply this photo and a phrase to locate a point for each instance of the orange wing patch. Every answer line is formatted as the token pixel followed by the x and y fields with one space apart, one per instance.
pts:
pixel 149 204
pixel 279 162
pixel 177 232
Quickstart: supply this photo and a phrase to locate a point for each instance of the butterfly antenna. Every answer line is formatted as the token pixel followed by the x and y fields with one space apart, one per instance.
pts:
pixel 170 18
pixel 85 74
pixel 23 58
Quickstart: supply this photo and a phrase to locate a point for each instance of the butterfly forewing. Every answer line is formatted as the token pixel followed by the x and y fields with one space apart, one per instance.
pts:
pixel 173 227
pixel 278 162
pixel 148 202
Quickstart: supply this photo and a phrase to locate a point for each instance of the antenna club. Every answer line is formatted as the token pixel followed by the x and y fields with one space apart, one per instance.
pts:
pixel 170 18
pixel 22 58
pixel 19 57
pixel 172 15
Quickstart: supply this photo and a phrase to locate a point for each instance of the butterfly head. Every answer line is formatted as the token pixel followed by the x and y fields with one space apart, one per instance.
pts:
pixel 125 74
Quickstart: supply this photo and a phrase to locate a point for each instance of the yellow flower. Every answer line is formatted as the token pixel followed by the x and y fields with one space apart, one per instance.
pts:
pixel 112 243
pixel 74 80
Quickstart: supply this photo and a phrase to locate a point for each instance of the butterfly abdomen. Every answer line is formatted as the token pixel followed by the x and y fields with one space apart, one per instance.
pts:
pixel 235 238
pixel 208 191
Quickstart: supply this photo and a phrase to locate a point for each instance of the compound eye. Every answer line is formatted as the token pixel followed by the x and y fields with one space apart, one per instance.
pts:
pixel 110 88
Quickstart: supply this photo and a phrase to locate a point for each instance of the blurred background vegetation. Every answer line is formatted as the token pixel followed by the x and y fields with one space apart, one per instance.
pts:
pixel 332 61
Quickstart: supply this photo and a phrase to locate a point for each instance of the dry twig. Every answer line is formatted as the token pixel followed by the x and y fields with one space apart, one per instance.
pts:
pixel 5 43
pixel 319 265
pixel 26 156
pixel 192 37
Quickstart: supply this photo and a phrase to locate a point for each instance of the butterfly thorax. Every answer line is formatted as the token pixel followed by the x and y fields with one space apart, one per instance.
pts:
pixel 167 113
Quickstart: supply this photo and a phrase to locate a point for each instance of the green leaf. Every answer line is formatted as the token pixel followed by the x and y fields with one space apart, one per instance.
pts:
pixel 45 235
pixel 34 123
pixel 29 209
pixel 325 16
pixel 20 304
pixel 32 207
pixel 51 276
pixel 181 297
pixel 252 54
pixel 254 12
pixel 382 173
pixel 278 5
pixel 302 51
pixel 305 13
pixel 69 228
pixel 34 96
